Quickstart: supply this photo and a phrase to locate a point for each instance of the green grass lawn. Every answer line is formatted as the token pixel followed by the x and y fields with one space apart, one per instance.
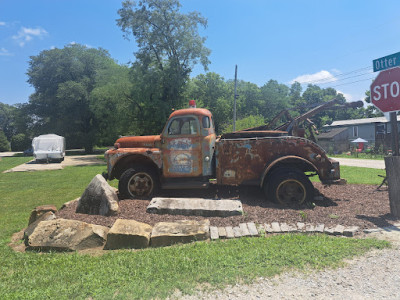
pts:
pixel 147 273
pixel 359 175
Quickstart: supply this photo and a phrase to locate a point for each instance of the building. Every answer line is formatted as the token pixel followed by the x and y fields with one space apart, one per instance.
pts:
pixel 334 140
pixel 376 131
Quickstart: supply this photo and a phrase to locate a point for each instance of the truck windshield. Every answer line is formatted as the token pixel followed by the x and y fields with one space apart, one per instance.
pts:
pixel 183 126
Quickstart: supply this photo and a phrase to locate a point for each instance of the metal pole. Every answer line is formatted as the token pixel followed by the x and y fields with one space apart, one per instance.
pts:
pixel 395 134
pixel 234 102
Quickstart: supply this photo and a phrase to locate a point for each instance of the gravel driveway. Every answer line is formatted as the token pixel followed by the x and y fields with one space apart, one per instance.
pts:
pixel 365 163
pixel 376 275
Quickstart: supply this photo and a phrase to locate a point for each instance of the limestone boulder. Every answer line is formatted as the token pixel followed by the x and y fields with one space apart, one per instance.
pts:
pixel 66 235
pixel 128 234
pixel 183 231
pixel 31 228
pixel 99 198
pixel 39 211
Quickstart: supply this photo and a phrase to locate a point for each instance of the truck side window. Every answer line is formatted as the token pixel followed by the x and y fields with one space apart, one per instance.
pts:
pixel 183 126
pixel 206 122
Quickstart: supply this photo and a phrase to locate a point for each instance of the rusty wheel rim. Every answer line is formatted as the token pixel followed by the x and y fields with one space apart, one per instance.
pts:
pixel 141 184
pixel 291 191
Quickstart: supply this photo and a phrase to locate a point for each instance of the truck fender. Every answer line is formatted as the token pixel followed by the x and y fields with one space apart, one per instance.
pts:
pixel 128 160
pixel 285 161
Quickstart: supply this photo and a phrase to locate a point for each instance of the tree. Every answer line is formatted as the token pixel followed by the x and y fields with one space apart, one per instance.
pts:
pixel 64 80
pixel 169 47
pixel 4 144
pixel 6 120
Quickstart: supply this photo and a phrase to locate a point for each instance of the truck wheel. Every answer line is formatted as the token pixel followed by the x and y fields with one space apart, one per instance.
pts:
pixel 138 182
pixel 289 186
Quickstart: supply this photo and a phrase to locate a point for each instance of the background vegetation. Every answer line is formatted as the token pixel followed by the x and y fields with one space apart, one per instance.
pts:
pixel 85 95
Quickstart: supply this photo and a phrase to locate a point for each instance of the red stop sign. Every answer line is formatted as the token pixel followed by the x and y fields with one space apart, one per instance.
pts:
pixel 385 90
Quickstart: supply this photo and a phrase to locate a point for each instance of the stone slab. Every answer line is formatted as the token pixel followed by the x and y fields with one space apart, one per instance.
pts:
pixel 222 232
pixel 229 232
pixel 301 226
pixel 183 231
pixel 268 228
pixel 237 232
pixel 350 231
pixel 128 234
pixel 195 207
pixel 276 228
pixel 320 228
pixel 214 233
pixel 243 228
pixel 252 229
pixel 284 227
pixel 338 230
pixel 310 228
pixel 329 230
pixel 292 228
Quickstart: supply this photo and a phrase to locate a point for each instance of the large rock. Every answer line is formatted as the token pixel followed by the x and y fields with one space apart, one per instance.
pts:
pixel 66 235
pixel 183 231
pixel 128 234
pixel 37 212
pixel 195 207
pixel 99 198
pixel 32 226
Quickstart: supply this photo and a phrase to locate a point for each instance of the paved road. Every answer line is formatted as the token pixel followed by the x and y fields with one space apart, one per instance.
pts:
pixel 365 163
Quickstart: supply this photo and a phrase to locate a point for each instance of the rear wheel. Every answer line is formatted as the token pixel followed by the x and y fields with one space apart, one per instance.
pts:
pixel 289 186
pixel 138 182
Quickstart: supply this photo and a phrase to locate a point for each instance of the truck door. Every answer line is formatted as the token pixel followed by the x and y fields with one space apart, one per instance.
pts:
pixel 182 148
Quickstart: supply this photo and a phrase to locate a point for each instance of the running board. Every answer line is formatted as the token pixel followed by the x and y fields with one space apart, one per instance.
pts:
pixel 178 185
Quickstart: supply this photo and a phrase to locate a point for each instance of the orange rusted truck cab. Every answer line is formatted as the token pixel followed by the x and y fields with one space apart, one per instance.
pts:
pixel 187 154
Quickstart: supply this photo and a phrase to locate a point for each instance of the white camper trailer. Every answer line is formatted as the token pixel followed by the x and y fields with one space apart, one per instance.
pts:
pixel 49 147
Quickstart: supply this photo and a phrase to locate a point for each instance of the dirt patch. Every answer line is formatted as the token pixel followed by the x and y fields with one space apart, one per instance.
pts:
pixel 348 205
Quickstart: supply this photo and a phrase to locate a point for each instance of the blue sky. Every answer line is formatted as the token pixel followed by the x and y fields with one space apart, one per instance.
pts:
pixel 329 43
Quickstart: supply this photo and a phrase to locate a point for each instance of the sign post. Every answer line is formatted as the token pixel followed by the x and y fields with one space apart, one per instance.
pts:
pixel 385 95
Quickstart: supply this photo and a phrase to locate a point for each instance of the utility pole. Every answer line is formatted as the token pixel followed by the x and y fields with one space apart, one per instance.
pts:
pixel 234 102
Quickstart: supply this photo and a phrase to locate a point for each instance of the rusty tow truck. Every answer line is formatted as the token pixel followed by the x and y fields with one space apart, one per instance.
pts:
pixel 187 154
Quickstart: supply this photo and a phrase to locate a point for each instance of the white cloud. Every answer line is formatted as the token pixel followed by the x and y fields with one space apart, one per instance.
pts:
pixel 316 78
pixel 348 97
pixel 28 34
pixel 2 23
pixel 4 52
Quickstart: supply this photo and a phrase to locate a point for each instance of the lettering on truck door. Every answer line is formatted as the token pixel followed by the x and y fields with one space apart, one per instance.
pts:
pixel 181 148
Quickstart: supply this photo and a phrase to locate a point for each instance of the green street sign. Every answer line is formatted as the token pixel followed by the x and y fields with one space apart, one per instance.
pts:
pixel 386 62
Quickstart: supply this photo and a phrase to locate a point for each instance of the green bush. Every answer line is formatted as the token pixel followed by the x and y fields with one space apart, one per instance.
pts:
pixel 20 142
pixel 4 144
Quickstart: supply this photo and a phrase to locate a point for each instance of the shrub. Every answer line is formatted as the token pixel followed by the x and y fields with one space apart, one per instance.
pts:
pixel 20 142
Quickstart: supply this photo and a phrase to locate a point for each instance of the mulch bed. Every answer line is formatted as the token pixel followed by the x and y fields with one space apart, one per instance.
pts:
pixel 348 205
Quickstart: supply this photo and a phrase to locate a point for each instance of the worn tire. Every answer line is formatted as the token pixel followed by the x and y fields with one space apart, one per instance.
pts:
pixel 138 182
pixel 289 186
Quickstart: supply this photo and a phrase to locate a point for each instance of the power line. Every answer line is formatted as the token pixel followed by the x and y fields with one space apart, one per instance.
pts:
pixel 338 75
pixel 353 82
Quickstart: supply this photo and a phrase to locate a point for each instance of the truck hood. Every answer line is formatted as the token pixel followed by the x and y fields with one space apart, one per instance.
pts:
pixel 149 141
